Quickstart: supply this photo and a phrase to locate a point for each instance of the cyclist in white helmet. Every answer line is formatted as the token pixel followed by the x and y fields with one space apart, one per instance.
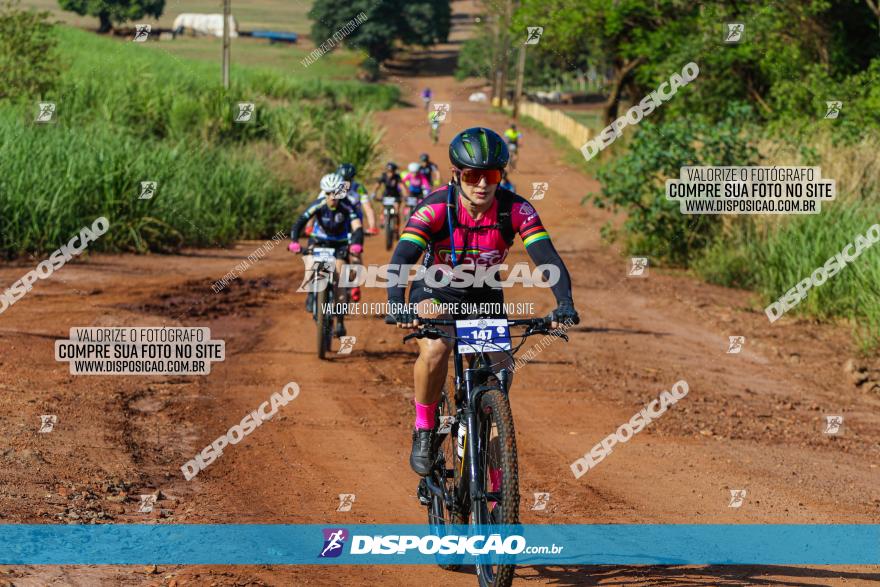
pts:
pixel 336 225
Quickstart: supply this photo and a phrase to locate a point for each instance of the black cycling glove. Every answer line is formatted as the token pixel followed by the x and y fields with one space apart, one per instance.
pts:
pixel 566 313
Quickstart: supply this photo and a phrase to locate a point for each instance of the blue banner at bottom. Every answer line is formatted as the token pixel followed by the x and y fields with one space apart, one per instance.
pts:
pixel 376 544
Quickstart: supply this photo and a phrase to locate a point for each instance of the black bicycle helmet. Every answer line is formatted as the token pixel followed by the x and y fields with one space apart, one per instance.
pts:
pixel 347 171
pixel 391 166
pixel 478 148
pixel 423 157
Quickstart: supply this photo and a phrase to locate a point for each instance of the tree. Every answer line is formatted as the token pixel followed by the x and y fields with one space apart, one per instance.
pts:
pixel 28 57
pixel 623 35
pixel 111 12
pixel 388 22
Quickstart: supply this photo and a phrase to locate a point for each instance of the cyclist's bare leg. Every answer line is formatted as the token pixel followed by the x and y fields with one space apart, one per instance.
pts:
pixel 309 260
pixel 429 372
pixel 340 291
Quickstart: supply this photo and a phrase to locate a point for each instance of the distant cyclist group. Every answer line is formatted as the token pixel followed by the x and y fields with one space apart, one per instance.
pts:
pixel 342 213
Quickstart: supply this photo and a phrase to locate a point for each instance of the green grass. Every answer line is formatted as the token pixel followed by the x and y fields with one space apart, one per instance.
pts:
pixel 278 15
pixel 126 115
pixel 282 15
pixel 249 52
pixel 772 259
pixel 589 118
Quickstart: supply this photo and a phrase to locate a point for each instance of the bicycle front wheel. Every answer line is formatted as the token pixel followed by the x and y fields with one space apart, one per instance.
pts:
pixel 322 323
pixel 500 478
pixel 446 474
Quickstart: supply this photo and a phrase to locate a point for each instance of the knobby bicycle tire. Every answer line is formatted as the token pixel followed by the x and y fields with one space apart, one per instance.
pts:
pixel 495 409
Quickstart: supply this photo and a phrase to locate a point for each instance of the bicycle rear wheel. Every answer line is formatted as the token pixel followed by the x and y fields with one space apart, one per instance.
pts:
pixel 389 230
pixel 500 477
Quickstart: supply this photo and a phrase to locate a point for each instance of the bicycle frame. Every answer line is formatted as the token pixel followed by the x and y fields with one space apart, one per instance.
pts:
pixel 470 385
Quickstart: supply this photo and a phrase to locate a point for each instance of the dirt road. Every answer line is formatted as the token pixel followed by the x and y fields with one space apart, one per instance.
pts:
pixel 752 420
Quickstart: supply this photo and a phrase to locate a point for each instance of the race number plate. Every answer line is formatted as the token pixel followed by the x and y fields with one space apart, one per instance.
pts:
pixel 324 254
pixel 388 201
pixel 483 336
pixel 411 201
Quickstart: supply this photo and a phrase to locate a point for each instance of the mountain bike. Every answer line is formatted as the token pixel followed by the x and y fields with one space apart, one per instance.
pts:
pixel 459 486
pixel 324 272
pixel 412 200
pixel 389 214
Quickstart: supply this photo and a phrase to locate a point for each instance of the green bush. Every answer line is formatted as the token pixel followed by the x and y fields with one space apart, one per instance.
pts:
pixel 28 53
pixel 635 181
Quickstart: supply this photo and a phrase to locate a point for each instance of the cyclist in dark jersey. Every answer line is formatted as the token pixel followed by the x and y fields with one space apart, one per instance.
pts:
pixel 428 170
pixel 471 221
pixel 390 185
pixel 336 226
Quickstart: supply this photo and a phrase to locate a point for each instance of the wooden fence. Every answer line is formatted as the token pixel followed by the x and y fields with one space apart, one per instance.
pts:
pixel 567 127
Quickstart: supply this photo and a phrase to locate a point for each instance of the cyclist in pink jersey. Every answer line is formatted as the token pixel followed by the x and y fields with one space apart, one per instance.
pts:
pixel 416 183
pixel 472 222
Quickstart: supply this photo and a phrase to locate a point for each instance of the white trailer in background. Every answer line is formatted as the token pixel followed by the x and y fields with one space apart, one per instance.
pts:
pixel 204 24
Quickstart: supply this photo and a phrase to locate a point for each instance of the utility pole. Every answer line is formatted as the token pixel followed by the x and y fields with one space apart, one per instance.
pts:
pixel 505 49
pixel 226 11
pixel 495 61
pixel 520 74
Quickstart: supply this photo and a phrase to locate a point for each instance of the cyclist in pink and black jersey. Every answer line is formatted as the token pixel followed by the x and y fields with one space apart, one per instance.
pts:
pixel 471 221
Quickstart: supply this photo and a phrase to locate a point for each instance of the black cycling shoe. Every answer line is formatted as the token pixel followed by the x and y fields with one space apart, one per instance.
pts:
pixel 340 329
pixel 310 302
pixel 421 459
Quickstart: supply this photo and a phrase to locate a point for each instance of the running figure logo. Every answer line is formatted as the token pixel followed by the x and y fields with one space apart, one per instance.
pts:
pixel 833 424
pixel 735 344
pixel 148 190
pixel 534 35
pixel 737 496
pixel 541 501
pixel 735 32
pixel 142 32
pixel 346 500
pixel 47 423
pixel 445 424
pixel 245 112
pixel 834 107
pixel 47 110
pixel 440 110
pixel 638 266
pixel 539 190
pixel 147 503
pixel 334 540
pixel 346 345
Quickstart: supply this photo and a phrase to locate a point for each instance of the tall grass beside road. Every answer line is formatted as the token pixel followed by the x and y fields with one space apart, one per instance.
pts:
pixel 55 179
pixel 772 258
pixel 126 114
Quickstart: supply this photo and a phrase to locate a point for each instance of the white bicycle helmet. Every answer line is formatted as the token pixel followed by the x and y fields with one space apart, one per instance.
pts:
pixel 413 167
pixel 332 183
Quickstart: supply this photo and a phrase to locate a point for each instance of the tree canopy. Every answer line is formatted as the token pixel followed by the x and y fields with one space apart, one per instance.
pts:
pixel 111 12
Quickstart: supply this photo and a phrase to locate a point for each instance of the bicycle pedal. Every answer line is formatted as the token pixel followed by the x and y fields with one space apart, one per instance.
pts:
pixel 423 494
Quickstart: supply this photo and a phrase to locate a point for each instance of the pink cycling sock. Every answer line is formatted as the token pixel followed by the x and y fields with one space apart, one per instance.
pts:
pixel 425 415
pixel 495 479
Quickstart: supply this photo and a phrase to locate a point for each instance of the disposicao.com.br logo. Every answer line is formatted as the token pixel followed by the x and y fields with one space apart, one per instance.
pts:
pixel 430 544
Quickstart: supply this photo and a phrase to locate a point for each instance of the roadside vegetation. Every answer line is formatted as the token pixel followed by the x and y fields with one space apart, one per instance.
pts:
pixel 126 114
pixel 759 101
